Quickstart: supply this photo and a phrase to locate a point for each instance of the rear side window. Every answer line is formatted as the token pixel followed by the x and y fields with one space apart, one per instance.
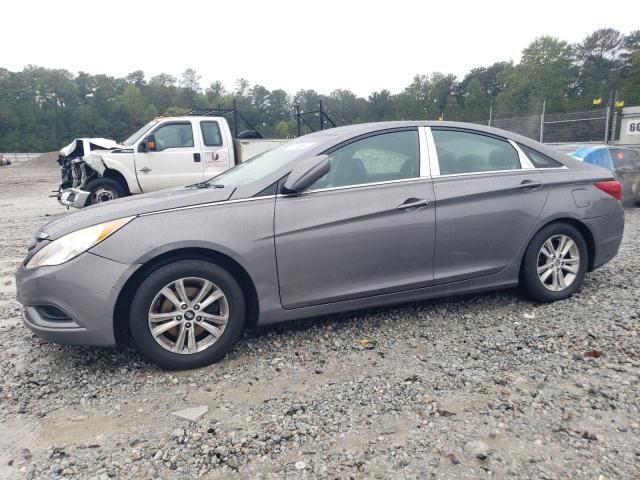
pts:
pixel 211 134
pixel 465 152
pixel 538 159
pixel 623 157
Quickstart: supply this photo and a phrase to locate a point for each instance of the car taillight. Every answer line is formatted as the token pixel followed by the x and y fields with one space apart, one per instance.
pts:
pixel 612 187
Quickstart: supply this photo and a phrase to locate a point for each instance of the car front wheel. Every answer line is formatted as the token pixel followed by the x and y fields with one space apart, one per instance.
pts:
pixel 187 314
pixel 555 263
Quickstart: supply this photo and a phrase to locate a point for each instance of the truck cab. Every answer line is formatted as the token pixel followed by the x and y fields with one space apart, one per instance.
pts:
pixel 165 153
pixel 181 151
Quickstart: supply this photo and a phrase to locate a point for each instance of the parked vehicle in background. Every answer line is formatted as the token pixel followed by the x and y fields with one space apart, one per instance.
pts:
pixel 621 160
pixel 167 152
pixel 348 218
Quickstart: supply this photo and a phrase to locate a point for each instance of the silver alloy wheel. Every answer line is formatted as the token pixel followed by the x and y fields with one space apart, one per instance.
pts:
pixel 103 194
pixel 558 263
pixel 188 315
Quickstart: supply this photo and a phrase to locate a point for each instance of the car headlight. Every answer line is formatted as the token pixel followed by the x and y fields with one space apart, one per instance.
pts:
pixel 73 244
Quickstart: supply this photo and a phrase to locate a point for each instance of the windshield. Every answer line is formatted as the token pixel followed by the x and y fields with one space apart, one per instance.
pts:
pixel 134 138
pixel 262 165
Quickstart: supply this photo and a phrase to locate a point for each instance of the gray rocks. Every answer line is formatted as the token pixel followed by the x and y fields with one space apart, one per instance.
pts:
pixel 400 392
pixel 477 449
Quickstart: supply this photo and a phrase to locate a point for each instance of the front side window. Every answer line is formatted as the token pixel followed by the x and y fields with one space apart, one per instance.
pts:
pixel 379 158
pixel 174 135
pixel 211 135
pixel 465 152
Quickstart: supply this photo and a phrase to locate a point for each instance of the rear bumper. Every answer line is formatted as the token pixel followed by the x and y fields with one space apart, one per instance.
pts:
pixel 82 291
pixel 607 234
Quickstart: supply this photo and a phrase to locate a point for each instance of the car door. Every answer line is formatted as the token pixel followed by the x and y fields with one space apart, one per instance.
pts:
pixel 215 153
pixel 365 228
pixel 487 202
pixel 175 161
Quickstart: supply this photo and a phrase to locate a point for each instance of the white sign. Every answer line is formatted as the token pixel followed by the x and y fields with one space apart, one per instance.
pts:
pixel 633 128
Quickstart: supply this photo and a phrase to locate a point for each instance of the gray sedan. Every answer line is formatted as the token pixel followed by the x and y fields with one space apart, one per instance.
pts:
pixel 342 219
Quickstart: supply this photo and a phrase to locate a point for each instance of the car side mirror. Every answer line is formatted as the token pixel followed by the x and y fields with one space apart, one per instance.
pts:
pixel 148 144
pixel 306 172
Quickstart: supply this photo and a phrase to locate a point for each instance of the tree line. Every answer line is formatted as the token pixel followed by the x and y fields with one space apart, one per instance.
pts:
pixel 43 109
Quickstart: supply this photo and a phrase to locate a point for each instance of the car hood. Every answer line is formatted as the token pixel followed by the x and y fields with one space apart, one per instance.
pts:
pixel 132 206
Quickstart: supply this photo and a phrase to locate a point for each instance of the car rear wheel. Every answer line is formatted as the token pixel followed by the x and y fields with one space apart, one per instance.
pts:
pixel 187 314
pixel 102 190
pixel 555 263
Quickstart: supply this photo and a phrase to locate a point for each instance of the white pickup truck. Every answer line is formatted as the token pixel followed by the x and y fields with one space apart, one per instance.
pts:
pixel 167 152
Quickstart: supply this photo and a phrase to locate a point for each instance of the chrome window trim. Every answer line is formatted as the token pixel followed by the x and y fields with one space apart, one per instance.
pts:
pixel 542 169
pixel 525 163
pixel 488 172
pixel 434 166
pixel 423 145
pixel 358 185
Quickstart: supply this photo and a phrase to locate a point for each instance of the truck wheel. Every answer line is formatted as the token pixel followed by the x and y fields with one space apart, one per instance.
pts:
pixel 187 314
pixel 103 190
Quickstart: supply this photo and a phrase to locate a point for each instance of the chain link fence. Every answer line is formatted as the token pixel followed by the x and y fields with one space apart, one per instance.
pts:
pixel 560 121
pixel 19 157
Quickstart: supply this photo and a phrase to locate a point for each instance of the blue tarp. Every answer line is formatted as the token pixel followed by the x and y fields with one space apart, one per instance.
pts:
pixel 599 156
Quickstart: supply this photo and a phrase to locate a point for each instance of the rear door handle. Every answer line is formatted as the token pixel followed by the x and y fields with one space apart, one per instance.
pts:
pixel 530 185
pixel 145 170
pixel 196 157
pixel 414 203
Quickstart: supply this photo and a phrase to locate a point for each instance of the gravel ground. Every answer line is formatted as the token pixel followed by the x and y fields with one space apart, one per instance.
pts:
pixel 481 386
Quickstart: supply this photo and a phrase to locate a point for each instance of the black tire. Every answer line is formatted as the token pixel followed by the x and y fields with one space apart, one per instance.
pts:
pixel 529 279
pixel 154 283
pixel 102 190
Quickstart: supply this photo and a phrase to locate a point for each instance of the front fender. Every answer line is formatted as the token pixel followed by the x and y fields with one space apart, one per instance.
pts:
pixel 123 163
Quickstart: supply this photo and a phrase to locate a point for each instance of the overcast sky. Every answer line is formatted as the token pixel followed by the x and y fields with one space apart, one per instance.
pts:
pixel 363 46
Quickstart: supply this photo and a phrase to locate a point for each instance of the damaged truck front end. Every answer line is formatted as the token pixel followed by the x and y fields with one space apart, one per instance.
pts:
pixel 80 162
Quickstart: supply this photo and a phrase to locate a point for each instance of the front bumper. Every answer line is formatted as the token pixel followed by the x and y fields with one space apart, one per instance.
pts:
pixel 73 197
pixel 84 289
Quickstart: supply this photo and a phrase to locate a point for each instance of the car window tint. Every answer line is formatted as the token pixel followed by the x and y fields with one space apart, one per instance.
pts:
pixel 380 158
pixel 465 152
pixel 538 159
pixel 622 157
pixel 211 134
pixel 174 135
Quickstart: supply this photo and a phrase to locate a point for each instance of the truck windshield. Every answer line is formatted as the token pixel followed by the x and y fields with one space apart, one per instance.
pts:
pixel 262 165
pixel 134 138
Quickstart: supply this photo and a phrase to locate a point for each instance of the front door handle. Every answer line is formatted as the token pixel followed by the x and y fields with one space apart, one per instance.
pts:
pixel 145 170
pixel 530 185
pixel 414 203
pixel 196 157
